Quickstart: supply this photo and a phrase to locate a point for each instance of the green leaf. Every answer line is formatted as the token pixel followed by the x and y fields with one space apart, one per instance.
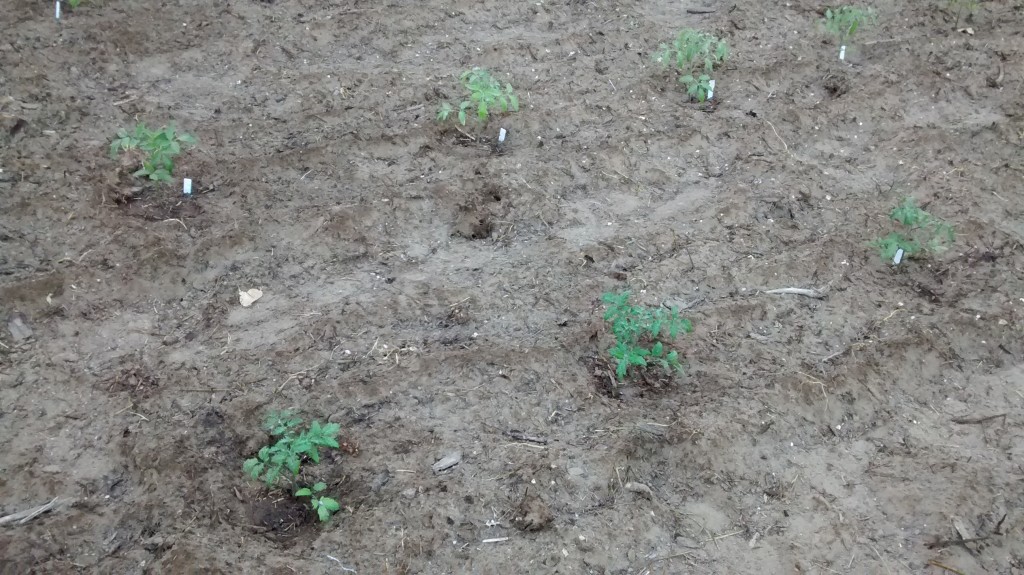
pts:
pixel 444 112
pixel 620 369
pixel 620 351
pixel 330 504
pixel 293 463
pixel 686 325
pixel 657 349
pixel 332 429
pixel 303 492
pixel 318 487
pixel 323 513
pixel 253 468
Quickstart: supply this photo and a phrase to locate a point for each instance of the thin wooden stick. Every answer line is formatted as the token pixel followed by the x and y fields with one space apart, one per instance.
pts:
pixel 23 517
pixel 797 292
pixel 980 419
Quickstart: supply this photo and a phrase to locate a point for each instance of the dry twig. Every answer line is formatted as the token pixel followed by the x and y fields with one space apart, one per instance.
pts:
pixel 23 517
pixel 966 419
pixel 817 294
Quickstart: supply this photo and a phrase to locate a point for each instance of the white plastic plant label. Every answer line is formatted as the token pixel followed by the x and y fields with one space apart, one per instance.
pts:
pixel 711 89
pixel 896 259
pixel 501 136
pixel 842 53
pixel 56 9
pixel 186 187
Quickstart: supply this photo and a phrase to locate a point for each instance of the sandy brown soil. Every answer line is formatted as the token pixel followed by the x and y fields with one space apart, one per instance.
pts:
pixel 431 292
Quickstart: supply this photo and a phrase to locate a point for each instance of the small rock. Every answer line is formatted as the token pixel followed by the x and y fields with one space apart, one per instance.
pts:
pixel 20 331
pixel 158 543
pixel 409 493
pixel 447 462
pixel 55 469
pixel 170 340
pixel 640 489
pixel 66 357
pixel 584 545
pixel 1003 322
pixel 380 481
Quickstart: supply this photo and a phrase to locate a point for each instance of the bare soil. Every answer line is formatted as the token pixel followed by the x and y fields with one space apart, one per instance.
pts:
pixel 434 292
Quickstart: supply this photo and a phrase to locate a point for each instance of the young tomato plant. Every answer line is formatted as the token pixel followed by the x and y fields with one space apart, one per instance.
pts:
pixel 156 149
pixel 923 233
pixel 287 453
pixel 695 55
pixel 639 333
pixel 284 458
pixel 485 94
pixel 843 22
pixel 323 505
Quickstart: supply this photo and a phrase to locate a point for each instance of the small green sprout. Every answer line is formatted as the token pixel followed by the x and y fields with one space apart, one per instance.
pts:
pixel 843 22
pixel 157 149
pixel 691 51
pixel 486 94
pixel 287 453
pixel 323 505
pixel 635 327
pixel 924 233
pixel 74 3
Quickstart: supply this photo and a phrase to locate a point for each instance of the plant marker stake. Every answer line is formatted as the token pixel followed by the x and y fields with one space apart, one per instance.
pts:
pixel 711 89
pixel 187 187
pixel 501 136
pixel 896 259
pixel 842 53
pixel 57 8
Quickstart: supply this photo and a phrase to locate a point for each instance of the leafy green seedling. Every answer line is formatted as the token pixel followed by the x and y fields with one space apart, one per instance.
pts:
pixel 923 234
pixel 74 3
pixel 639 332
pixel 485 93
pixel 156 148
pixel 843 22
pixel 287 453
pixel 323 505
pixel 691 52
pixel 698 87
pixel 960 6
